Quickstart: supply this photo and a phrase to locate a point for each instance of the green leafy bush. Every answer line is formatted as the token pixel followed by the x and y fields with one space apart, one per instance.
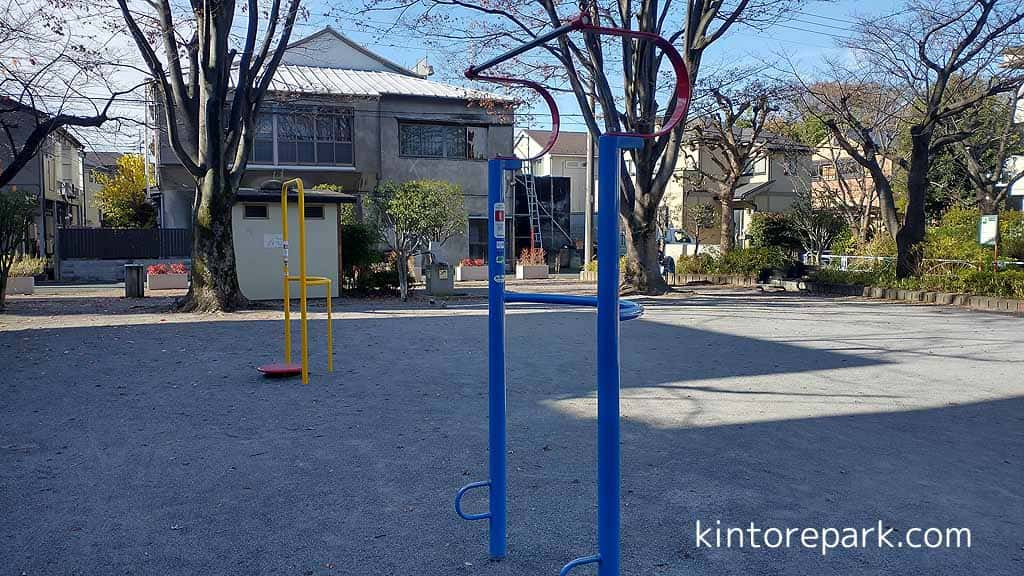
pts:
pixel 1002 284
pixel 773 230
pixel 26 267
pixel 624 263
pixel 760 262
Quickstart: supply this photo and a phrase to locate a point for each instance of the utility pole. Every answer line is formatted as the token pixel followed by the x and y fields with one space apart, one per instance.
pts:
pixel 588 204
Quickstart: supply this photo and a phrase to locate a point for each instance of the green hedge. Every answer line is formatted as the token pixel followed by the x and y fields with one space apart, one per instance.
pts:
pixel 1002 284
pixel 758 261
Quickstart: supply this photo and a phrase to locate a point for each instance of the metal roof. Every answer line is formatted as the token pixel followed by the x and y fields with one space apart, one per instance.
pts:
pixel 344 82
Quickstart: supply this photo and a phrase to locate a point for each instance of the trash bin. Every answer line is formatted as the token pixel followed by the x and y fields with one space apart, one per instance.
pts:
pixel 134 281
pixel 440 279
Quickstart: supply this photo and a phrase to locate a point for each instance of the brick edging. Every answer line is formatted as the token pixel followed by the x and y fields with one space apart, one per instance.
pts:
pixel 975 302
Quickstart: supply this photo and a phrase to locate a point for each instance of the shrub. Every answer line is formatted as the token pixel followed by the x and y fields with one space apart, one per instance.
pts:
pixel 1003 284
pixel 623 265
pixel 472 262
pixel 532 257
pixel 754 261
pixel 26 267
pixel 358 242
pixel 773 229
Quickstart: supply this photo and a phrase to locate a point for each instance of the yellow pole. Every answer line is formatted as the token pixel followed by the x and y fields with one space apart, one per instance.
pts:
pixel 284 255
pixel 302 280
pixel 330 332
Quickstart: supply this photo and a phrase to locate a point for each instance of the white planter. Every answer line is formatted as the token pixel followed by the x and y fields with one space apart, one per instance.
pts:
pixel 167 281
pixel 470 273
pixel 21 285
pixel 531 271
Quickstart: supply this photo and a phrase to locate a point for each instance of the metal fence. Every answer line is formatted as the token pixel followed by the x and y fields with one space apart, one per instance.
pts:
pixel 122 243
pixel 929 265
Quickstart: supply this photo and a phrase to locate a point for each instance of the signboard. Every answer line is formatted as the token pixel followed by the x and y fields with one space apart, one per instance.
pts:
pixel 988 230
pixel 499 219
pixel 273 241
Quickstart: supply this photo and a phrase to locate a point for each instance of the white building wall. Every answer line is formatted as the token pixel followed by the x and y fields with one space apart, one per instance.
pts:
pixel 258 252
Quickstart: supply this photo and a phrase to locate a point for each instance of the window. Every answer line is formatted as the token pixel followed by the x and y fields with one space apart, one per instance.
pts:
pixel 478 237
pixel 314 212
pixel 442 141
pixel 333 137
pixel 263 141
pixel 320 136
pixel 296 143
pixel 255 212
pixel 575 163
pixel 756 167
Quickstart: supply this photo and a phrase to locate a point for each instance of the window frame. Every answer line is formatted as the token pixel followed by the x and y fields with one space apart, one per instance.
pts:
pixel 470 150
pixel 247 205
pixel 321 207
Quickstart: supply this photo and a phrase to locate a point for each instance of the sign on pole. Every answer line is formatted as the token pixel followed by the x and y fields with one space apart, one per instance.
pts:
pixel 988 230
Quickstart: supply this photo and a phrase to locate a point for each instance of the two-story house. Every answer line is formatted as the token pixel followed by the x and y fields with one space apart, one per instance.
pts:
pixel 339 114
pixel 55 176
pixel 840 182
pixel 778 172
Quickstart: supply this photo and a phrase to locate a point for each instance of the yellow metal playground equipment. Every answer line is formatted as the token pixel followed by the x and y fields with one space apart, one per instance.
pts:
pixel 287 368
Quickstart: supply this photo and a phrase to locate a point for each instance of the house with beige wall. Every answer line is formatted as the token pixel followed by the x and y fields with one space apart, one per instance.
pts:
pixel 779 171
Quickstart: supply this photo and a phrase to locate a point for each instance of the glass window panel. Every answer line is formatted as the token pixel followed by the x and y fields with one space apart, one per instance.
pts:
pixel 343 127
pixel 263 151
pixel 306 152
pixel 343 153
pixel 455 145
pixel 296 127
pixel 286 152
pixel 325 128
pixel 265 126
pixel 476 142
pixel 324 153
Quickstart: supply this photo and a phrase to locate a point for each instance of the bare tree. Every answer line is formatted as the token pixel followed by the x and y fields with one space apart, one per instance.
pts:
pixel 933 52
pixel 732 133
pixel 842 184
pixel 48 81
pixel 210 102
pixel 988 151
pixel 863 120
pixel 572 65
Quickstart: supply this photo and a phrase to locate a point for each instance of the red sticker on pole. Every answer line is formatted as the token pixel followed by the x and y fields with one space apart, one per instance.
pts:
pixel 499 219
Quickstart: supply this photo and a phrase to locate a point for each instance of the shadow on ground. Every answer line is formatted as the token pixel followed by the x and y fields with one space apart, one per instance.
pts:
pixel 156 449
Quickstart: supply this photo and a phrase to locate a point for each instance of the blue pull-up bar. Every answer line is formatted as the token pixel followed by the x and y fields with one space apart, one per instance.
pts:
pixel 610 310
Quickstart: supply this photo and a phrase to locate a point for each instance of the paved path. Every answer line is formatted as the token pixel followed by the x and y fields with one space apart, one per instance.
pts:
pixel 137 441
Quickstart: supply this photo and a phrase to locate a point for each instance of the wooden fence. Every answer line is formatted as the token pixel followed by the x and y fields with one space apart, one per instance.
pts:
pixel 123 243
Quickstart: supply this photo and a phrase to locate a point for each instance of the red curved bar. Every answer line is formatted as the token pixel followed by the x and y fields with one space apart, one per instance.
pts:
pixel 683 89
pixel 555 121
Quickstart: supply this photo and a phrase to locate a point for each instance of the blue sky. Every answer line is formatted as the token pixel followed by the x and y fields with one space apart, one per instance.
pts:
pixel 810 34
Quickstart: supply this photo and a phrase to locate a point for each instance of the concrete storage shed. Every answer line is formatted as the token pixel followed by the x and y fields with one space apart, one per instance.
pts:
pixel 256 222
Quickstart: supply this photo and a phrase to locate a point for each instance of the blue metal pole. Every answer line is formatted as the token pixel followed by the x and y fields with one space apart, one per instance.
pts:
pixel 497 442
pixel 608 439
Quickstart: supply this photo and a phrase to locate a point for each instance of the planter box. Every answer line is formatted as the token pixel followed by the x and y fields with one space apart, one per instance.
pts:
pixel 588 275
pixel 531 271
pixel 21 285
pixel 167 281
pixel 470 273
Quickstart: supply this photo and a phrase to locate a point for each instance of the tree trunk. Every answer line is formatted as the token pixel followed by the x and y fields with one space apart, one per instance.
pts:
pixel 728 226
pixel 3 290
pixel 643 250
pixel 987 200
pixel 909 250
pixel 214 276
pixel 402 265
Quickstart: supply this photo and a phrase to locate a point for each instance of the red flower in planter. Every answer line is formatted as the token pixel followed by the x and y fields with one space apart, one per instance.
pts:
pixel 178 268
pixel 155 269
pixel 472 262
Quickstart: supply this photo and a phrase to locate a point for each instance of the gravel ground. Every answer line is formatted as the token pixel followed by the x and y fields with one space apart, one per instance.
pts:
pixel 138 441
